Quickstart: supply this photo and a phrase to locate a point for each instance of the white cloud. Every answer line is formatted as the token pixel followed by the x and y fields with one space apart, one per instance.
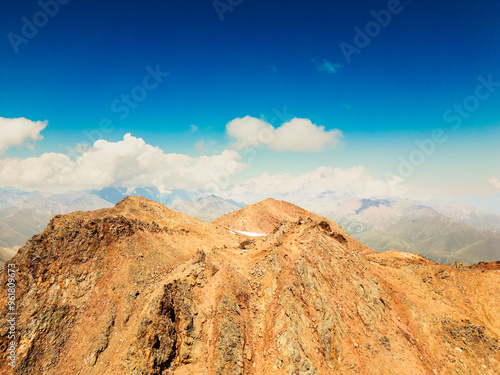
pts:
pixel 128 163
pixel 193 128
pixel 494 182
pixel 16 131
pixel 327 67
pixel 356 181
pixel 250 131
pixel 295 135
pixel 302 135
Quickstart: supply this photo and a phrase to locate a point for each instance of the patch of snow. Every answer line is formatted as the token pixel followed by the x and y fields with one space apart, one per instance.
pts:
pixel 251 234
pixel 230 231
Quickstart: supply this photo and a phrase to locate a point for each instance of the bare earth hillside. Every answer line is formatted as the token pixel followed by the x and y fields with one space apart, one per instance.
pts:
pixel 141 289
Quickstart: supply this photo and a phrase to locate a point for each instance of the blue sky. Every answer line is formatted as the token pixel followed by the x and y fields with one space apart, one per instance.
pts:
pixel 268 60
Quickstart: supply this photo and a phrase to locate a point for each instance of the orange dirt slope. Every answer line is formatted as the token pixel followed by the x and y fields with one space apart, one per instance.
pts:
pixel 141 289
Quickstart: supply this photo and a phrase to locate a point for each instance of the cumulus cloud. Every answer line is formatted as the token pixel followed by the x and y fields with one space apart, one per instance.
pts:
pixel 250 131
pixel 16 131
pixel 327 67
pixel 127 163
pixel 494 182
pixel 302 135
pixel 357 181
pixel 297 134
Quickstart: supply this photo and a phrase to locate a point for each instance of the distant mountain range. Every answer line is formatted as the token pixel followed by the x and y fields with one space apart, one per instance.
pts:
pixel 24 214
pixel 469 215
pixel 443 234
pixel 489 204
pixel 208 208
pixel 441 231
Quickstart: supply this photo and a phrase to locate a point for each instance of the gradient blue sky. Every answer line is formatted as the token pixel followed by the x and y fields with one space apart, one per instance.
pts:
pixel 265 58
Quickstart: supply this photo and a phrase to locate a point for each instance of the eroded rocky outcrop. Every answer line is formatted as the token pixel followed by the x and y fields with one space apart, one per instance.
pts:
pixel 154 346
pixel 140 289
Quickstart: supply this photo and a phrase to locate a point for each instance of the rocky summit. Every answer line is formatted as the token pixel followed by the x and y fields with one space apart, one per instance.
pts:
pixel 142 289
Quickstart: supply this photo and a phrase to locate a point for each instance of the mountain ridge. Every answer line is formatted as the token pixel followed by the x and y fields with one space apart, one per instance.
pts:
pixel 142 289
pixel 383 224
